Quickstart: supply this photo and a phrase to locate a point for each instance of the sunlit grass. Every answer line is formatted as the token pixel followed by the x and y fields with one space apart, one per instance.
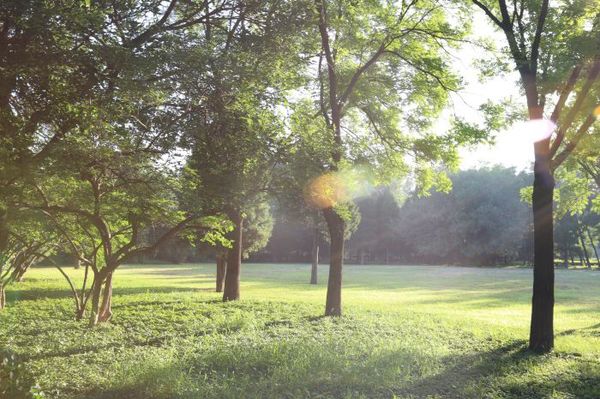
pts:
pixel 410 331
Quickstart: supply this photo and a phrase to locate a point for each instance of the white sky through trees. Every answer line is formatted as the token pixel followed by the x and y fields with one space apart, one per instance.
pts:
pixel 513 147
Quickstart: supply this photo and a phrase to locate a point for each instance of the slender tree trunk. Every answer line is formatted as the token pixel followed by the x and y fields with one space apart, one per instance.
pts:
pixel 336 227
pixel 106 307
pixel 587 230
pixel 231 291
pixel 221 269
pixel 315 257
pixel 2 297
pixel 541 338
pixel 3 246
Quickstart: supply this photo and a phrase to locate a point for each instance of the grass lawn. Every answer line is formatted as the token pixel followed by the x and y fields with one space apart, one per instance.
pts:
pixel 407 332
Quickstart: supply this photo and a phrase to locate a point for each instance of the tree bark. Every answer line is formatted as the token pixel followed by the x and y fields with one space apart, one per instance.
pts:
pixel 221 269
pixel 96 292
pixel 541 338
pixel 231 291
pixel 336 227
pixel 315 257
pixel 106 308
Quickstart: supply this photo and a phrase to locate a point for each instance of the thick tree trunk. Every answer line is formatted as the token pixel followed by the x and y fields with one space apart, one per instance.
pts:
pixel 96 293
pixel 315 257
pixel 221 270
pixel 2 297
pixel 106 308
pixel 231 291
pixel 541 337
pixel 336 227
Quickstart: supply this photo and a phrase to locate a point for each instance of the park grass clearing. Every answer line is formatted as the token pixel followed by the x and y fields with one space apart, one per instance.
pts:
pixel 407 332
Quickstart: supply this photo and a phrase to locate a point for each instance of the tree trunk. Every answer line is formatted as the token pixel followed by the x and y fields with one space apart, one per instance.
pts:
pixel 221 269
pixel 587 230
pixel 80 311
pixel 336 227
pixel 96 291
pixel 541 337
pixel 586 256
pixel 572 258
pixel 315 257
pixel 231 291
pixel 2 297
pixel 106 308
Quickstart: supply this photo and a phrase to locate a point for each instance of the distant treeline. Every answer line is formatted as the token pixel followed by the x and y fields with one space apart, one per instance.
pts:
pixel 480 222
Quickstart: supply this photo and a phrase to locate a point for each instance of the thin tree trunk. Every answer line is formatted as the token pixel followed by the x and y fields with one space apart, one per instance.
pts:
pixel 106 308
pixel 581 238
pixel 587 230
pixel 231 291
pixel 572 258
pixel 336 226
pixel 221 270
pixel 2 297
pixel 541 338
pixel 315 257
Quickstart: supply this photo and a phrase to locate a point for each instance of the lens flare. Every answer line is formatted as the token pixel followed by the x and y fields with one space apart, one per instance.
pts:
pixel 597 112
pixel 325 191
pixel 538 129
pixel 333 188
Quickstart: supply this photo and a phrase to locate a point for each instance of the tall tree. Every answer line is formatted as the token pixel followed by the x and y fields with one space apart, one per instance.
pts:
pixel 374 59
pixel 550 63
pixel 238 69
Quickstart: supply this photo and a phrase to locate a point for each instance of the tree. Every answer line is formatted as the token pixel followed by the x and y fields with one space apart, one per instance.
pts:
pixel 374 58
pixel 549 64
pixel 101 201
pixel 29 241
pixel 236 74
pixel 468 225
pixel 59 61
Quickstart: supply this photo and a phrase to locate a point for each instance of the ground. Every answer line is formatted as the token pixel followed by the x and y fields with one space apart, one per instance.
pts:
pixel 407 332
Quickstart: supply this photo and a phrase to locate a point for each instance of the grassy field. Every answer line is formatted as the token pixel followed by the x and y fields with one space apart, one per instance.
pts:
pixel 407 332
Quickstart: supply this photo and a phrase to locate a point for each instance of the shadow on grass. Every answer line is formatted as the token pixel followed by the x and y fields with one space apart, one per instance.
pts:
pixel 504 371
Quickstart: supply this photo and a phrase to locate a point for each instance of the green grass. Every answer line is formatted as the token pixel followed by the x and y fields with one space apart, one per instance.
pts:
pixel 407 332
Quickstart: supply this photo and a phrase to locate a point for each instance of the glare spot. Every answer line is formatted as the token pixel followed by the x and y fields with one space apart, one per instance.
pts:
pixel 597 112
pixel 333 188
pixel 325 191
pixel 537 129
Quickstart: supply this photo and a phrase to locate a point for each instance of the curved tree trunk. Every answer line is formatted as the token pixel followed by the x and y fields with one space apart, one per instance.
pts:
pixel 541 338
pixel 231 291
pixel 336 227
pixel 315 257
pixel 221 270
pixel 106 307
